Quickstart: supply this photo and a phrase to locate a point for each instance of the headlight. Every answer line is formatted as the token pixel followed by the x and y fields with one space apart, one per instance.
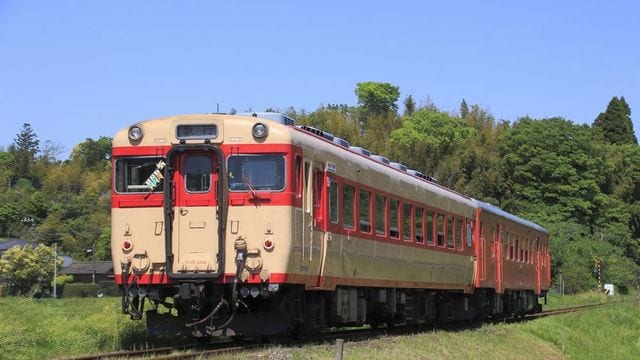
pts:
pixel 260 130
pixel 135 133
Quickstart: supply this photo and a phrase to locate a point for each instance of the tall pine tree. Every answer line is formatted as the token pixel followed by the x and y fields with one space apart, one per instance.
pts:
pixel 24 149
pixel 614 125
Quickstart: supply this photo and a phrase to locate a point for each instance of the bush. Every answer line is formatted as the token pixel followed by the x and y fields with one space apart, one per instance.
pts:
pixel 109 288
pixel 80 290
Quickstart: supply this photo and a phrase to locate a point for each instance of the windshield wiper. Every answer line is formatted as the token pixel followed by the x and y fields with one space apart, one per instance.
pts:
pixel 252 189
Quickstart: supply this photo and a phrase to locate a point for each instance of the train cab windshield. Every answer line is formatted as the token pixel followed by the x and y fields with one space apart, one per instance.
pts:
pixel 140 174
pixel 256 172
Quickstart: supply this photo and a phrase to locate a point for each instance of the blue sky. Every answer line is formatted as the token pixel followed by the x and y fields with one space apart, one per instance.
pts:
pixel 80 69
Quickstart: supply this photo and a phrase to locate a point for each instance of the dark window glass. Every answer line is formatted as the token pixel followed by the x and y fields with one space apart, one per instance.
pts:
pixel 365 211
pixel 440 229
pixel 418 225
pixel 348 197
pixel 406 221
pixel 459 234
pixel 333 202
pixel 450 221
pixel 429 229
pixel 135 175
pixel 380 215
pixel 260 172
pixel 394 232
pixel 197 173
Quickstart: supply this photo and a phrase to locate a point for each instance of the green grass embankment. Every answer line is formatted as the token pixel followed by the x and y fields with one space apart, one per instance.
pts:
pixel 38 329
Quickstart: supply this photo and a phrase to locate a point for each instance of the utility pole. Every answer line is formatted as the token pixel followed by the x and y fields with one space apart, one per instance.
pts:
pixel 92 251
pixel 55 269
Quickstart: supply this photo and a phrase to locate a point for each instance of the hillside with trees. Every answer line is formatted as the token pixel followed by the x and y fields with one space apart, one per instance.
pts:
pixel 581 182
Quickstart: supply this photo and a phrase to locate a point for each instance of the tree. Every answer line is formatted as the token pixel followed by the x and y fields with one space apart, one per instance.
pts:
pixel 93 154
pixel 614 125
pixel 464 109
pixel 409 106
pixel 22 268
pixel 24 150
pixel 376 99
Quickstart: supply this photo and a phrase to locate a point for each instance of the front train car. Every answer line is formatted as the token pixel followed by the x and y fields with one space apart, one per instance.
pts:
pixel 200 203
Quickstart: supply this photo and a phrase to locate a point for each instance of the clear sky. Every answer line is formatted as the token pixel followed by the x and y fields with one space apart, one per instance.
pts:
pixel 80 69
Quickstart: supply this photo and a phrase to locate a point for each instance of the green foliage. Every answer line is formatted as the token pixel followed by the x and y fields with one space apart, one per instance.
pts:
pixel 377 98
pixel 427 137
pixel 22 268
pixel 614 125
pixel 80 290
pixel 24 150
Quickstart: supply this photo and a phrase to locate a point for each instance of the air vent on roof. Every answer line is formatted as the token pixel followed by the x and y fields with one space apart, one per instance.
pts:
pixel 318 132
pixel 398 166
pixel 277 117
pixel 341 142
pixel 380 158
pixel 360 150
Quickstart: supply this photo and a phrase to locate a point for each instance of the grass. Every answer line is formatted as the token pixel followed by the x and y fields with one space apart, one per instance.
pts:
pixel 33 329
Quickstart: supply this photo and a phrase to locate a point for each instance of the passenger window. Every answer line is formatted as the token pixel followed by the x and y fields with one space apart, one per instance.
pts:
pixel 430 238
pixel 440 225
pixel 406 221
pixel 333 202
pixel 419 228
pixel 365 211
pixel 348 198
pixel 459 234
pixel 380 215
pixel 393 218
pixel 450 221
pixel 469 234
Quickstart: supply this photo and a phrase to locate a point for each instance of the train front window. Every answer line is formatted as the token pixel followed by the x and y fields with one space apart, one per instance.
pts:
pixel 197 173
pixel 256 172
pixel 140 174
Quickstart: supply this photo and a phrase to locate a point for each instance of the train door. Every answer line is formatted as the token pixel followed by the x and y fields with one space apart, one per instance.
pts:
pixel 538 266
pixel 312 216
pixel 499 258
pixel 194 244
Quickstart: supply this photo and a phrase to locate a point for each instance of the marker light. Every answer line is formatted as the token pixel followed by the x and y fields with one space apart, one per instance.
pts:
pixel 260 130
pixel 127 245
pixel 268 245
pixel 135 133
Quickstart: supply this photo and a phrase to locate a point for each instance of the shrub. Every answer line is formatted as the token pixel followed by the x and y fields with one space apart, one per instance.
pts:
pixel 80 290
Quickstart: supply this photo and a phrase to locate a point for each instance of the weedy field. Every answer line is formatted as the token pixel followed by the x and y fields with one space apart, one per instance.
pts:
pixel 31 329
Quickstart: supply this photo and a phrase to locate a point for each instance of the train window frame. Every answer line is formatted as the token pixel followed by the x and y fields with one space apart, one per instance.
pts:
pixel 430 226
pixel 418 224
pixel 334 202
pixel 449 232
pixel 380 216
pixel 345 206
pixel 185 175
pixel 394 219
pixel 155 165
pixel 364 225
pixel 407 223
pixel 440 230
pixel 282 175
pixel 459 233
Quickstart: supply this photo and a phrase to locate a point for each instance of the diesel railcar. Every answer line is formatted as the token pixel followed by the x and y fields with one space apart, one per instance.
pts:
pixel 252 225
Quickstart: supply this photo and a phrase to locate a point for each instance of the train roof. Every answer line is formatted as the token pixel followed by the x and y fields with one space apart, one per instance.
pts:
pixel 499 212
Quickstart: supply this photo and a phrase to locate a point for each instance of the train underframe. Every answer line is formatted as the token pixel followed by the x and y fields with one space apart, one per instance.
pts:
pixel 205 309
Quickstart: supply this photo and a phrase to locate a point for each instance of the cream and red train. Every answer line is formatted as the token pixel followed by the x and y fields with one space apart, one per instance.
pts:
pixel 246 225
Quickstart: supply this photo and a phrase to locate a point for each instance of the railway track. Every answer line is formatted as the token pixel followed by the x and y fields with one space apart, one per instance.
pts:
pixel 197 351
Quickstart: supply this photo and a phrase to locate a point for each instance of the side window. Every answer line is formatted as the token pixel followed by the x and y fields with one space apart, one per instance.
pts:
pixel 440 229
pixel 394 232
pixel 333 202
pixel 406 221
pixel 429 228
pixel 381 215
pixel 450 221
pixel 418 227
pixel 365 211
pixel 348 197
pixel 469 234
pixel 459 234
